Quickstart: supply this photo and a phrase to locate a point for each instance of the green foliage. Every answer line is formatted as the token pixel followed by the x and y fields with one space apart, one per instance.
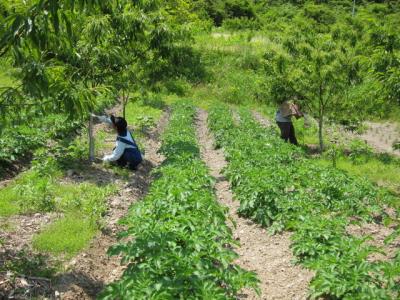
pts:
pixel 221 11
pixel 360 151
pixel 180 239
pixel 66 236
pixel 69 56
pixel 376 168
pixel 351 276
pixel 20 141
pixel 39 189
pixel 35 192
pixel 8 206
pixel 279 188
pixel 317 237
pixel 144 113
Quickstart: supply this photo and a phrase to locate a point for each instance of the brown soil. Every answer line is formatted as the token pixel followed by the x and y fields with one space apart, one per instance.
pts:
pixel 10 170
pixel 268 256
pixel 17 231
pixel 92 269
pixel 16 235
pixel 260 118
pixel 378 233
pixel 88 272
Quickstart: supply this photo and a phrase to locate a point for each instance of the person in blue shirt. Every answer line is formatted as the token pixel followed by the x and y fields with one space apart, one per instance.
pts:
pixel 126 151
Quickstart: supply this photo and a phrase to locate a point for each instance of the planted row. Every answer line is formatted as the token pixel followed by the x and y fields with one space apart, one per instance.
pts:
pixel 278 187
pixel 177 245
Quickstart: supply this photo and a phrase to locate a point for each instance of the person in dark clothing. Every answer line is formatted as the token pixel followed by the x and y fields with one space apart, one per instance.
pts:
pixel 283 118
pixel 287 132
pixel 126 151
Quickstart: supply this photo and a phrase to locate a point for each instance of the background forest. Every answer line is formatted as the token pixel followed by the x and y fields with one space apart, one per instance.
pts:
pixel 340 59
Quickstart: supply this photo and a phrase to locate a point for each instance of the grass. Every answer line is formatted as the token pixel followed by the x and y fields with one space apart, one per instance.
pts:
pixel 35 193
pixel 66 236
pixel 381 173
pixel 6 79
pixel 145 112
pixel 40 189
pixel 8 205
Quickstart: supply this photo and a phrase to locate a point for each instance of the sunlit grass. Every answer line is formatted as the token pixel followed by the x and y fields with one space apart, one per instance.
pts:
pixel 66 236
pixel 141 113
pixel 33 193
pixel 6 79
pixel 383 174
pixel 8 206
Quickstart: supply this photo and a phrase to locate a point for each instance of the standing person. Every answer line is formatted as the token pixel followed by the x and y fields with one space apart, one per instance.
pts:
pixel 126 151
pixel 283 118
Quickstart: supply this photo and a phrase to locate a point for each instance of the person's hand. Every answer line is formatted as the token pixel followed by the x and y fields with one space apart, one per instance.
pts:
pixel 98 160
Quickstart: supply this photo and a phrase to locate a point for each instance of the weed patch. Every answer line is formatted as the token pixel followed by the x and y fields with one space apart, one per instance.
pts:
pixel 66 236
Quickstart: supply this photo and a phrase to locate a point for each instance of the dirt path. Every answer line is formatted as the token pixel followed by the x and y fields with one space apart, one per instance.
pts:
pixel 17 231
pixel 269 256
pixel 92 269
pixel 381 136
pixel 259 117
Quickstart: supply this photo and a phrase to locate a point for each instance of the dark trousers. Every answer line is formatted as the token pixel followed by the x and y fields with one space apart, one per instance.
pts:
pixel 132 157
pixel 287 132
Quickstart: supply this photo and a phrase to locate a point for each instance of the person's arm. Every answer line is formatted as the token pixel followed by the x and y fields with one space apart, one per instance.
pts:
pixel 117 153
pixel 297 113
pixel 103 119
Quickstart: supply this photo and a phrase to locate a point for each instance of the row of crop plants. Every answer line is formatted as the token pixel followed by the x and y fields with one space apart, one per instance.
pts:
pixel 176 244
pixel 279 188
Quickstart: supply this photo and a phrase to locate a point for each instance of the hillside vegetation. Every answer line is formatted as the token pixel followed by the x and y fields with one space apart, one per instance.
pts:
pixel 332 202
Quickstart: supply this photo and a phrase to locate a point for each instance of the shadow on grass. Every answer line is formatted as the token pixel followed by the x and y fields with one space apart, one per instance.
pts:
pixel 78 284
pixel 25 275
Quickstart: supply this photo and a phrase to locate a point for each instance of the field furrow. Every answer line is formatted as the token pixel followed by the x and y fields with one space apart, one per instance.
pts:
pixel 176 244
pixel 268 256
pixel 90 270
pixel 279 188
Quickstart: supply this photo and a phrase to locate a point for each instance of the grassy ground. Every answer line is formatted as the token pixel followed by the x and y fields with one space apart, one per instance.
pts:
pixel 386 174
pixel 66 236
pixel 47 187
pixel 235 75
pixel 6 78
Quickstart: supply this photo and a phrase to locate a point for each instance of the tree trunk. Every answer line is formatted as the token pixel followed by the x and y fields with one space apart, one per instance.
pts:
pixel 124 103
pixel 123 109
pixel 320 134
pixel 91 140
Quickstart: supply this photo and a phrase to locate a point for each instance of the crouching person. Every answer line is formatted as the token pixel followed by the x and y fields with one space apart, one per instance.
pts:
pixel 126 151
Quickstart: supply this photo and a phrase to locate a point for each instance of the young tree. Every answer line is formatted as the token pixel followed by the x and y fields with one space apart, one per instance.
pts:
pixel 70 51
pixel 309 70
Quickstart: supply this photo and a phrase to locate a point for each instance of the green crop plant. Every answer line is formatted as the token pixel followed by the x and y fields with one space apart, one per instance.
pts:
pixel 176 245
pixel 278 187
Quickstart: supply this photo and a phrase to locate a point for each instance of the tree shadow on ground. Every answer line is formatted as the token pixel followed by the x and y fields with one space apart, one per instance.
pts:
pixel 97 174
pixel 25 275
pixel 78 284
